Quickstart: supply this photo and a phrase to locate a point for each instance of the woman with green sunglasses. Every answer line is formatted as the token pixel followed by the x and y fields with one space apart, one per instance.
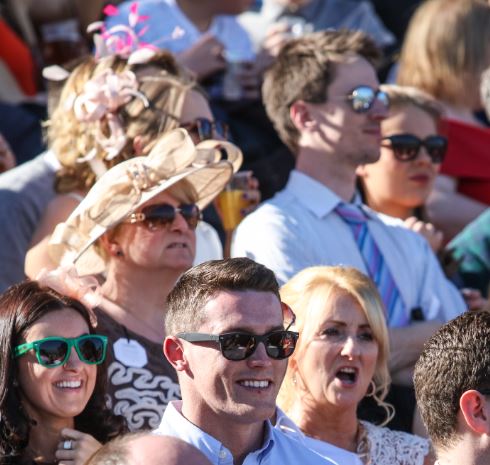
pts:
pixel 52 379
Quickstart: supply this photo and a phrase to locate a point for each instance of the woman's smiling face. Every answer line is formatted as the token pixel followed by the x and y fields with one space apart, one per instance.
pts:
pixel 50 394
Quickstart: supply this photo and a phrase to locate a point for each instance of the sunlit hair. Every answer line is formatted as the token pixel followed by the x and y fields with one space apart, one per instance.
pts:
pixel 21 307
pixel 309 290
pixel 404 96
pixel 186 302
pixel 305 68
pixel 446 48
pixel 162 82
pixel 455 359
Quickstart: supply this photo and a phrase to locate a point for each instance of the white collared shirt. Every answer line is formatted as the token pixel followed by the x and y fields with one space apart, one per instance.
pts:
pixel 337 454
pixel 276 449
pixel 299 228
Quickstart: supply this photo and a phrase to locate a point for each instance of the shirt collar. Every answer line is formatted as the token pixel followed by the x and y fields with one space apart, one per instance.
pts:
pixel 315 196
pixel 193 435
pixel 187 431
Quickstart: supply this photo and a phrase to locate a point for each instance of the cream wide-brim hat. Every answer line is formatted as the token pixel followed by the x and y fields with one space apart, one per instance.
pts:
pixel 130 184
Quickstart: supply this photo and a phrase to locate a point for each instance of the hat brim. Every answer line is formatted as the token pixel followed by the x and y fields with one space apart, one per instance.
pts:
pixel 208 182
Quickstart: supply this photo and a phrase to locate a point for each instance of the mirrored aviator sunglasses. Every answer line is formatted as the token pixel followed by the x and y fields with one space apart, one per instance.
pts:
pixel 55 351
pixel 163 214
pixel 362 98
pixel 205 129
pixel 406 147
pixel 237 346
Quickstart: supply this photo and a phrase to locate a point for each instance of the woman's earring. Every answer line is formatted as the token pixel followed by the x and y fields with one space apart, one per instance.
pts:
pixel 119 253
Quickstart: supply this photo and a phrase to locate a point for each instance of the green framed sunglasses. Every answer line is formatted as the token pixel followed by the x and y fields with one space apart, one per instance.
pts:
pixel 55 351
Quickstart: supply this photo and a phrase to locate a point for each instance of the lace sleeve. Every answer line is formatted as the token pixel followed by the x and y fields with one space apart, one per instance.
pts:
pixel 389 447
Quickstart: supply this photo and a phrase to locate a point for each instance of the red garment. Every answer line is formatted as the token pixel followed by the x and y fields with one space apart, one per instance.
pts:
pixel 468 158
pixel 18 58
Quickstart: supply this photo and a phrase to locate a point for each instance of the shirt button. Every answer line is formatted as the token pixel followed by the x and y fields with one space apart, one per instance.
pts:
pixel 222 454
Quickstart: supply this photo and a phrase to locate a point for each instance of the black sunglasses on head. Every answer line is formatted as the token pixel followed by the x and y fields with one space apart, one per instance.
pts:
pixel 406 147
pixel 362 98
pixel 163 214
pixel 204 129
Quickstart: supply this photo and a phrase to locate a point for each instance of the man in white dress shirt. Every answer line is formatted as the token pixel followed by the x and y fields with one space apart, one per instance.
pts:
pixel 228 339
pixel 452 384
pixel 322 96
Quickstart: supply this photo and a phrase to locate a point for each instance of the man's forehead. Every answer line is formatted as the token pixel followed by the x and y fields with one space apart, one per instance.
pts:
pixel 242 309
pixel 353 71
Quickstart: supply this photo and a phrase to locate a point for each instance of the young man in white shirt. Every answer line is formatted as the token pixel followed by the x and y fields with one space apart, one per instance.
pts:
pixel 322 95
pixel 228 339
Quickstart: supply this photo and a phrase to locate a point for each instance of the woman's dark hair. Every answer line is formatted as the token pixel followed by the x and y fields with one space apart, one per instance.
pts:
pixel 21 306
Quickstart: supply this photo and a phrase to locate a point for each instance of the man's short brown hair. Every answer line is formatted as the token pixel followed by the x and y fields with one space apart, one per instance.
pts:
pixel 199 284
pixel 454 360
pixel 304 69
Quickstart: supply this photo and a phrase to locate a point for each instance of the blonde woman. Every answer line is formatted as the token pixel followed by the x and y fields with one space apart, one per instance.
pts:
pixel 412 151
pixel 445 51
pixel 110 111
pixel 341 356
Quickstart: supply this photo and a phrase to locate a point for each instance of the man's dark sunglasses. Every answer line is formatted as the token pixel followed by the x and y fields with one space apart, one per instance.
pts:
pixel 205 129
pixel 362 98
pixel 163 214
pixel 406 147
pixel 235 346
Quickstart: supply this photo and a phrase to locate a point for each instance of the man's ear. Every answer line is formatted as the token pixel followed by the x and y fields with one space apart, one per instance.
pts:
pixel 174 352
pixel 476 411
pixel 301 116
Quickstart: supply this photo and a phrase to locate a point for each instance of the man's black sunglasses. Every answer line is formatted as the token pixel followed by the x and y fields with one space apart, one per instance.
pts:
pixel 406 147
pixel 279 344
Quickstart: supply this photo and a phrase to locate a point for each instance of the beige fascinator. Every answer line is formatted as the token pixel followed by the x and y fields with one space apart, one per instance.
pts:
pixel 207 167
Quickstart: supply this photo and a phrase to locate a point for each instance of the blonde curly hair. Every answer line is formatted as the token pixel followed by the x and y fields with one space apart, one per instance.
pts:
pixel 161 81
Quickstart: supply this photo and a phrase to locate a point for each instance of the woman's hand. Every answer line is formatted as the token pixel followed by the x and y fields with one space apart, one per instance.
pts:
pixel 473 298
pixel 205 57
pixel 82 447
pixel 251 193
pixel 428 230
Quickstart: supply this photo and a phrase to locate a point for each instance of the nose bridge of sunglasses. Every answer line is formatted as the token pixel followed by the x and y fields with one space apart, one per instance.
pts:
pixel 424 153
pixel 74 355
pixel 259 347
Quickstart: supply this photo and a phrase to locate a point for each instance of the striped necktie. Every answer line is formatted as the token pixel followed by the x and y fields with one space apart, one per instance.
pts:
pixel 375 263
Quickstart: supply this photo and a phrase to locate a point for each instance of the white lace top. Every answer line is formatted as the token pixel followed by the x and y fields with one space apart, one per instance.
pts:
pixel 383 445
pixel 386 446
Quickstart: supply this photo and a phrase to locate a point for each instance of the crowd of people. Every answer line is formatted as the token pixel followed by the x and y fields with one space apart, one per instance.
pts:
pixel 345 320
